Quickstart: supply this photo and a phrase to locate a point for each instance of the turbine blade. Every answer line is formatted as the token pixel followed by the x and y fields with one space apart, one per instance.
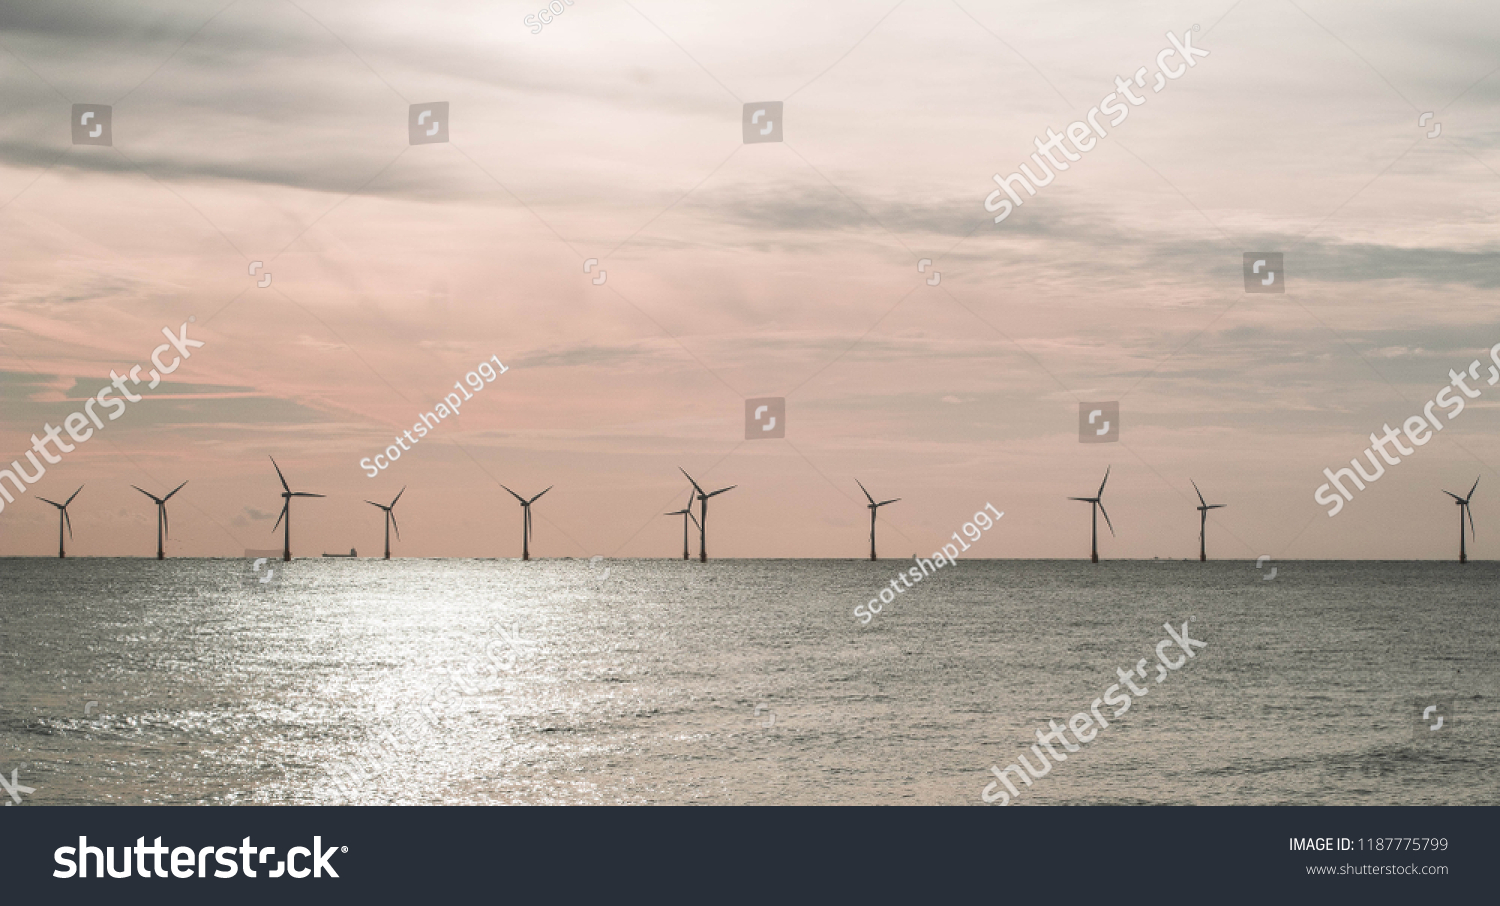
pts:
pixel 394 524
pixel 695 520
pixel 867 493
pixel 690 480
pixel 1106 518
pixel 148 494
pixel 884 502
pixel 45 500
pixel 284 485
pixel 539 496
pixel 1217 506
pixel 305 494
pixel 166 524
pixel 515 495
pixel 284 507
pixel 1472 532
pixel 373 503
pixel 1085 499
pixel 1476 484
pixel 80 487
pixel 1200 493
pixel 174 491
pixel 398 494
pixel 69 520
pixel 722 490
pixel 1454 496
pixel 1104 482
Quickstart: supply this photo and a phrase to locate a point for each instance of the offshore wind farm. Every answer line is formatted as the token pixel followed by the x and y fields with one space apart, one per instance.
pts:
pixel 698 521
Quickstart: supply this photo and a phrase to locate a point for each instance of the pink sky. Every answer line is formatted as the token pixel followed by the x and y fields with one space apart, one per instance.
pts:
pixel 789 269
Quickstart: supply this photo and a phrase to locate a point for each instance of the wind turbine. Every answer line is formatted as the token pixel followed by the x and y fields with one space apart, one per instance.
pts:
pixel 526 520
pixel 703 514
pixel 1202 520
pixel 390 520
pixel 1463 507
pixel 286 511
pixel 873 507
pixel 686 514
pixel 161 518
pixel 62 517
pixel 1098 504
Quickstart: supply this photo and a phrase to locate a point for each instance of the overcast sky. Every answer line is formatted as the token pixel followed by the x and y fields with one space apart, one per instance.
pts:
pixel 277 131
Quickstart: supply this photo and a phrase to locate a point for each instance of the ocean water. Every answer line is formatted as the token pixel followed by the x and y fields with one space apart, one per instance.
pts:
pixel 741 681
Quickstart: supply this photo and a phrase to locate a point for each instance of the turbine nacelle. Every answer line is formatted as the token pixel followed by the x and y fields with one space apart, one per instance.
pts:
pixel 161 506
pixel 1463 502
pixel 62 508
pixel 704 495
pixel 1098 501
pixel 389 510
pixel 1205 505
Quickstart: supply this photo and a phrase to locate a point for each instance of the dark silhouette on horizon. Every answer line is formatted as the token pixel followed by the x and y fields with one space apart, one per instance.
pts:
pixel 161 518
pixel 1202 520
pixel 1463 507
pixel 1098 506
pixel 526 520
pixel 703 514
pixel 286 511
pixel 686 514
pixel 390 519
pixel 873 507
pixel 62 518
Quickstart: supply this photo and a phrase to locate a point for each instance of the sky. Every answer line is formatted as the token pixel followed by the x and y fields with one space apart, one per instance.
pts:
pixel 277 132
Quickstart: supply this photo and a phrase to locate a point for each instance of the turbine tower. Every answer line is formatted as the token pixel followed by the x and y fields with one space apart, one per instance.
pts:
pixel 1463 507
pixel 873 507
pixel 161 518
pixel 286 511
pixel 703 514
pixel 686 514
pixel 1098 506
pixel 526 520
pixel 1203 521
pixel 390 520
pixel 62 518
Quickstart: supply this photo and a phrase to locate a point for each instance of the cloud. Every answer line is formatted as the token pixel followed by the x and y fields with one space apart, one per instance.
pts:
pixel 250 514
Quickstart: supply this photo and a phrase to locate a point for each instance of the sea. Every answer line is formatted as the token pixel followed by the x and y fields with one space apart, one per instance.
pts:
pixel 735 682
